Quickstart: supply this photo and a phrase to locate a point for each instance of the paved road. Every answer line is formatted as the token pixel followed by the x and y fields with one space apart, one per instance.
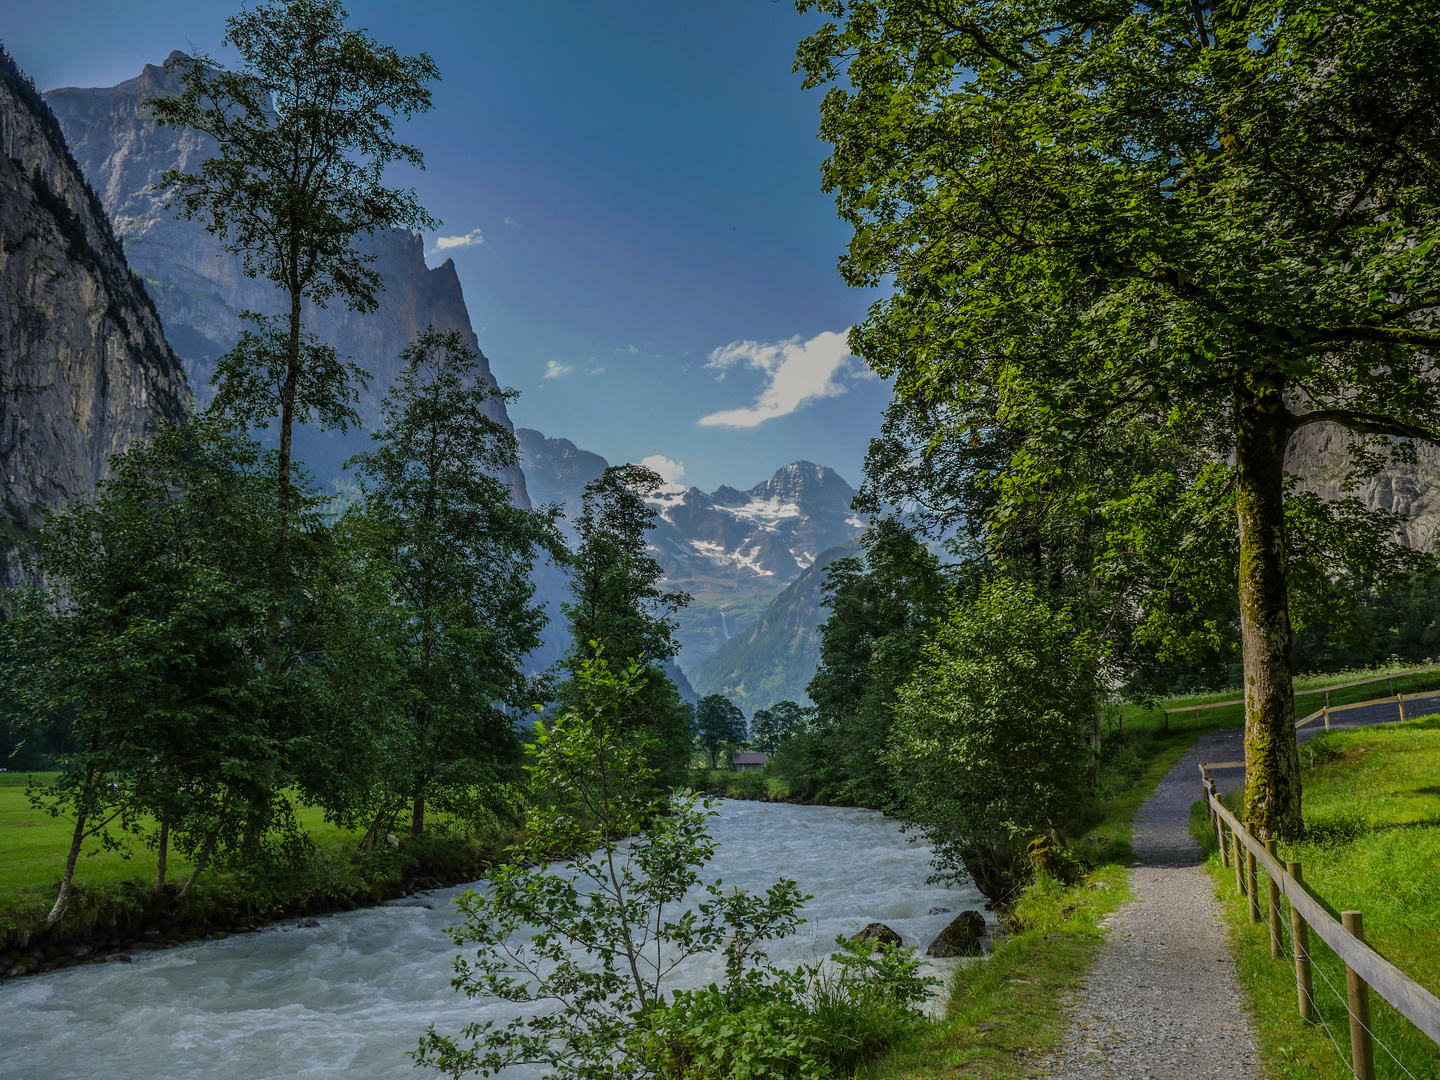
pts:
pixel 1163 1001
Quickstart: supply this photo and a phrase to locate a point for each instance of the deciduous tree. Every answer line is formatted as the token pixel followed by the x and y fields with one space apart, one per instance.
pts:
pixel 460 555
pixel 1175 215
pixel 304 129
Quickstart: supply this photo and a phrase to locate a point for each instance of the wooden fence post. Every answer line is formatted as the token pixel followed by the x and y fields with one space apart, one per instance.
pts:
pixel 1238 860
pixel 1304 986
pixel 1197 716
pixel 1362 1050
pixel 1275 930
pixel 1205 791
pixel 1251 885
pixel 1220 841
pixel 1401 699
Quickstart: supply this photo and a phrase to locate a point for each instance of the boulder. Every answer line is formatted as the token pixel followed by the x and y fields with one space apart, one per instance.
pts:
pixel 77 949
pixel 307 924
pixel 961 937
pixel 879 934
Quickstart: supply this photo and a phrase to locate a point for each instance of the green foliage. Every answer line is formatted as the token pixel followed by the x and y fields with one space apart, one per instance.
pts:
pixel 303 130
pixel 459 555
pixel 200 680
pixel 817 1021
pixel 718 722
pixel 618 608
pixel 592 944
pixel 990 746
pixel 881 609
pixel 770 727
pixel 1194 231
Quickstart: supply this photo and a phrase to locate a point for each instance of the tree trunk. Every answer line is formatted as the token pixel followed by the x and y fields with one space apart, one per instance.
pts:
pixel 287 414
pixel 417 817
pixel 62 901
pixel 1272 762
pixel 162 849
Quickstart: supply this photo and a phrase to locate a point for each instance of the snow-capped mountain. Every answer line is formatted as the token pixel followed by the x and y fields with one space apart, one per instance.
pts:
pixel 774 530
pixel 732 550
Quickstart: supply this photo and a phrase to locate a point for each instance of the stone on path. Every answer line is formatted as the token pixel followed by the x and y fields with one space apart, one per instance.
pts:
pixel 1162 1001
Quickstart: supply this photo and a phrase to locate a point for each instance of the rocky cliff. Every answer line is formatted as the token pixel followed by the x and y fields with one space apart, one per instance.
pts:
pixel 84 365
pixel 1318 454
pixel 200 289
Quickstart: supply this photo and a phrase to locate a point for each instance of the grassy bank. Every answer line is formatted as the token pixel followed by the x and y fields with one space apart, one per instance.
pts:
pixel 1372 813
pixel 1307 698
pixel 115 903
pixel 1006 1010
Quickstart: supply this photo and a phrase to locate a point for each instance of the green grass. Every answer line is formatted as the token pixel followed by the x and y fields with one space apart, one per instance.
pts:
pixel 33 846
pixel 1307 700
pixel 1372 813
pixel 1006 1011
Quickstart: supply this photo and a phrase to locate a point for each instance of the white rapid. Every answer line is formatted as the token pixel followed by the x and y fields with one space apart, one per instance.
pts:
pixel 351 997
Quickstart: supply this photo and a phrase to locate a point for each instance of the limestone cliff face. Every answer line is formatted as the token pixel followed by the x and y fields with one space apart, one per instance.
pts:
pixel 200 289
pixel 1318 455
pixel 84 365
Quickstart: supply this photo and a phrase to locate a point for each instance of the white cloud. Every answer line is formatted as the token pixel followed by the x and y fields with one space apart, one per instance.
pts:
pixel 597 371
pixel 447 243
pixel 554 369
pixel 796 372
pixel 672 472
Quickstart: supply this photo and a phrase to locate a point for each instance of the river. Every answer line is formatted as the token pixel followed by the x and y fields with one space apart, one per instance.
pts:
pixel 350 997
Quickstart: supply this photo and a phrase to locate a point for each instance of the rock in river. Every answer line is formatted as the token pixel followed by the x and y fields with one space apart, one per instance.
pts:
pixel 961 937
pixel 880 934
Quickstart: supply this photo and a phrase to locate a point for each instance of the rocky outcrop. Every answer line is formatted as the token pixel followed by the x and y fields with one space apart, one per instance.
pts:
pixel 1318 454
pixel 878 934
pixel 961 937
pixel 200 288
pixel 84 366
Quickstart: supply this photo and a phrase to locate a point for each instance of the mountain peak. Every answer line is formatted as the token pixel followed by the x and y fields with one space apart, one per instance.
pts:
pixel 807 485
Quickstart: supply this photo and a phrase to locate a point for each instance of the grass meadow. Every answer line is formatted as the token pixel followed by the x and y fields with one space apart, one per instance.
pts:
pixel 1372 815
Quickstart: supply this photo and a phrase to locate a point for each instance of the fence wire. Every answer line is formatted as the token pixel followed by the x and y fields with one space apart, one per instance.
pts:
pixel 1290 947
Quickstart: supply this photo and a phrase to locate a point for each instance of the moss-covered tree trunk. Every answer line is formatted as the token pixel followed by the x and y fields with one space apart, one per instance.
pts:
pixel 1272 763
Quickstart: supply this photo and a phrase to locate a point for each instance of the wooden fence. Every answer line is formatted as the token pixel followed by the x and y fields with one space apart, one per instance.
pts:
pixel 1326 709
pixel 1364 967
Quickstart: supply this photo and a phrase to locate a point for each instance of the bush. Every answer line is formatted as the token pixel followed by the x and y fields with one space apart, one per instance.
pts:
pixel 990 743
pixel 817 1021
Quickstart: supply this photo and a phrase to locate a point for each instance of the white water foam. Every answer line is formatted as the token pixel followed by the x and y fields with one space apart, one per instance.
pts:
pixel 351 997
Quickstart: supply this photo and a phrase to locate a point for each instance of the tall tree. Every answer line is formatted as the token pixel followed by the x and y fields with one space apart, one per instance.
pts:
pixel 461 555
pixel 149 634
pixel 718 721
pixel 881 609
pixel 1171 214
pixel 619 609
pixel 770 727
pixel 304 130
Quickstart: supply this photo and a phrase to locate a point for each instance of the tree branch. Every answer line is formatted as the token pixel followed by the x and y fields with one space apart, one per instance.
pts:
pixel 1367 424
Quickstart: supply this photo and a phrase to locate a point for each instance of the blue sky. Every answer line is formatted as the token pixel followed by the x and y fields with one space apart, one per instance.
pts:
pixel 630 191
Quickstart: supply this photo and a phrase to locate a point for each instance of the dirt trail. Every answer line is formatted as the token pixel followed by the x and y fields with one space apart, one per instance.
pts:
pixel 1163 1001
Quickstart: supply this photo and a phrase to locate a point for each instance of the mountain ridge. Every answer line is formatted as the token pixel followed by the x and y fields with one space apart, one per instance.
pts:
pixel 200 289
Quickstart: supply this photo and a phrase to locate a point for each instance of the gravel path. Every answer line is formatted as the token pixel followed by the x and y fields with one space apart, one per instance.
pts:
pixel 1163 1001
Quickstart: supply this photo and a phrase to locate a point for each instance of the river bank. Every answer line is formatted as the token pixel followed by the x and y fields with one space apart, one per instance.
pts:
pixel 349 996
pixel 116 909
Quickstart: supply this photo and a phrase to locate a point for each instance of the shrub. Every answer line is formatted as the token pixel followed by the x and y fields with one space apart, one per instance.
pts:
pixel 817 1021
pixel 990 744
